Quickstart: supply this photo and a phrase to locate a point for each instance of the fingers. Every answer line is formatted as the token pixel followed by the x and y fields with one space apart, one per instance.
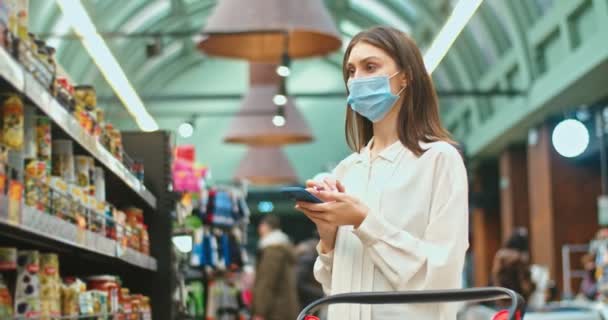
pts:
pixel 332 196
pixel 340 186
pixel 313 184
pixel 316 217
pixel 313 207
pixel 317 193
pixel 331 183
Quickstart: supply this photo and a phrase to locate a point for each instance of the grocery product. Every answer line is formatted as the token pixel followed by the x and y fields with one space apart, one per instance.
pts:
pixel 146 309
pixel 8 258
pixel 78 210
pixel 22 18
pixel 100 184
pixel 100 302
pixel 124 299
pixel 70 295
pixel 43 140
pixel 50 286
pixel 27 292
pixel 60 203
pixel 85 97
pixel 83 171
pixel 138 169
pixel 12 122
pixel 15 197
pixel 96 216
pixel 86 303
pixel 145 240
pixel 12 17
pixel 135 306
pixel 4 14
pixel 109 285
pixel 91 187
pixel 31 183
pixel 29 139
pixel 63 160
pixel 6 301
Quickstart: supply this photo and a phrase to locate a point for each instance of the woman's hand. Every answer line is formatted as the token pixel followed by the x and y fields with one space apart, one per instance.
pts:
pixel 327 184
pixel 338 209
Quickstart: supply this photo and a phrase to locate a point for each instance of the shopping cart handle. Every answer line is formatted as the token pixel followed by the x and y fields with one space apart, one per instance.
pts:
pixel 430 296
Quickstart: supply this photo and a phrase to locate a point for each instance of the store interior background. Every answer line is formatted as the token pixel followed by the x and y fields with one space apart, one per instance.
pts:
pixel 517 70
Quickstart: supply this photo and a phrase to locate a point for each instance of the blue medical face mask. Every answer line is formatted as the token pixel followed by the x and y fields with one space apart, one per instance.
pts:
pixel 371 97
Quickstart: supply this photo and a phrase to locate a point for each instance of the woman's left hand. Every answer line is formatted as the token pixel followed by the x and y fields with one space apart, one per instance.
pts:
pixel 338 209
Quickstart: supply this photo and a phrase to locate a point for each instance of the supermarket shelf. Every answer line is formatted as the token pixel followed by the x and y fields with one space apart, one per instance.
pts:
pixel 91 316
pixel 44 228
pixel 25 82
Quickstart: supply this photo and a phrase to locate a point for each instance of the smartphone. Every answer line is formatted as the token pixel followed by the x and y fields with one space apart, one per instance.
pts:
pixel 300 194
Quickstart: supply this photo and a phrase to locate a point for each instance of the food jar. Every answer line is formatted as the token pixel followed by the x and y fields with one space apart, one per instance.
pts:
pixel 145 240
pixel 86 98
pixel 13 122
pixel 43 140
pixel 146 308
pixel 108 284
pixel 124 299
pixel 63 160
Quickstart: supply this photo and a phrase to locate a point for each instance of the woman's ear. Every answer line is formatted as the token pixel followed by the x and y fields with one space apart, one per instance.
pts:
pixel 404 81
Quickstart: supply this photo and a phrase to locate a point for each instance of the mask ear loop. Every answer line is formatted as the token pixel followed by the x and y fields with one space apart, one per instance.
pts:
pixel 402 89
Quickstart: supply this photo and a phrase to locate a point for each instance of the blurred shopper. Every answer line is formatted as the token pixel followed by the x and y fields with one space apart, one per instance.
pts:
pixel 309 289
pixel 274 291
pixel 395 216
pixel 588 287
pixel 511 267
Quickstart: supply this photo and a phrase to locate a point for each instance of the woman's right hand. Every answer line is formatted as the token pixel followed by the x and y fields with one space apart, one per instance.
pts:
pixel 327 184
pixel 327 232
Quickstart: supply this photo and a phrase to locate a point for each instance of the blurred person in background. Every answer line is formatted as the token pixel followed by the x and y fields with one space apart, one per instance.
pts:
pixel 511 266
pixel 274 291
pixel 309 289
pixel 588 287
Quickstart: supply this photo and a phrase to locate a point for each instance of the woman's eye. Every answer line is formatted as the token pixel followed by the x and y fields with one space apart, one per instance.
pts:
pixel 371 67
pixel 351 72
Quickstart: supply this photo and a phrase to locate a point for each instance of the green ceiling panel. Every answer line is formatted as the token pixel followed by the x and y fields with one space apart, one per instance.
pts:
pixel 507 44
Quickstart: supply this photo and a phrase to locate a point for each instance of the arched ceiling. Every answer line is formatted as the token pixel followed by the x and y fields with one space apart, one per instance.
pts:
pixel 180 69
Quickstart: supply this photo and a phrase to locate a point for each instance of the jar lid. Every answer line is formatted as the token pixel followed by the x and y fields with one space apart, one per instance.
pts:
pixel 102 278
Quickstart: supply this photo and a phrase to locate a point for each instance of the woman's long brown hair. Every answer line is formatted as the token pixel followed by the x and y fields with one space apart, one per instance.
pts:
pixel 418 119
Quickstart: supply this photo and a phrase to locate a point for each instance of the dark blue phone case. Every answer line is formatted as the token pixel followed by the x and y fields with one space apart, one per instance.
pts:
pixel 300 194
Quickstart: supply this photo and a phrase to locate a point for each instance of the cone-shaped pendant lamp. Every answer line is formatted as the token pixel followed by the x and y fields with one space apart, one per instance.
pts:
pixel 261 130
pixel 265 166
pixel 260 30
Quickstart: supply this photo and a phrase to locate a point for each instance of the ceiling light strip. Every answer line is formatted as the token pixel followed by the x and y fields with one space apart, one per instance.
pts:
pixel 81 23
pixel 462 13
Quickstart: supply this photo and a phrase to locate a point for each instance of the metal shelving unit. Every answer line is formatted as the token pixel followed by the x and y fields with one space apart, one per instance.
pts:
pixel 24 82
pixel 36 227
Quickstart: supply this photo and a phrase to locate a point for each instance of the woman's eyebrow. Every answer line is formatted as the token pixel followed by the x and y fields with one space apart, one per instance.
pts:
pixel 350 63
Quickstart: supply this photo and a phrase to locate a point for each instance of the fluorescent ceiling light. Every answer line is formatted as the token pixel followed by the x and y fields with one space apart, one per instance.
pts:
pixel 462 13
pixel 81 23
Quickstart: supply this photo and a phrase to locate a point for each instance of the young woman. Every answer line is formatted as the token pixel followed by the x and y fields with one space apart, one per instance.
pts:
pixel 396 216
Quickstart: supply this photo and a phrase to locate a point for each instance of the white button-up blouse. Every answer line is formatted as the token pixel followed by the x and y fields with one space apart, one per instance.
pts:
pixel 414 237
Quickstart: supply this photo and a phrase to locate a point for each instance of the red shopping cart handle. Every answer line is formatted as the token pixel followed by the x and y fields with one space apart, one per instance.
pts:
pixel 434 296
pixel 504 315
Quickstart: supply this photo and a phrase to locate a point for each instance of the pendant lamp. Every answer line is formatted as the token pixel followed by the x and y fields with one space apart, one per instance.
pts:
pixel 264 84
pixel 262 30
pixel 265 166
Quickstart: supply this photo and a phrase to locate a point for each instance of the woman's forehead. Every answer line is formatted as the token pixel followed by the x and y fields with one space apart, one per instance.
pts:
pixel 363 51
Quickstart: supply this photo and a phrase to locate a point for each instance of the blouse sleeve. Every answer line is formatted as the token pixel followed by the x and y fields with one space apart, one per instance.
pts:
pixel 323 264
pixel 441 250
